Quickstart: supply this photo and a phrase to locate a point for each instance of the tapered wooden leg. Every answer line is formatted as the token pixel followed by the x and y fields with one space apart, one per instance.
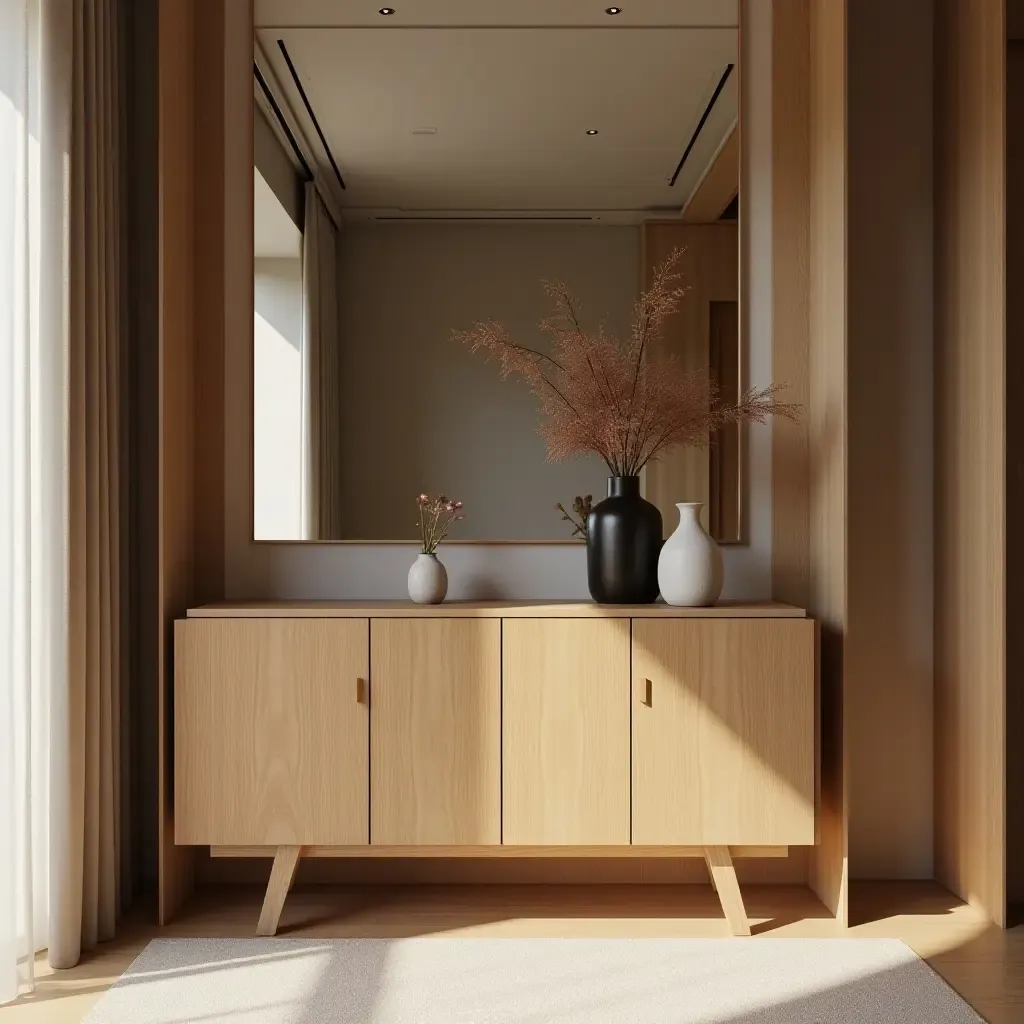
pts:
pixel 286 860
pixel 723 876
pixel 711 873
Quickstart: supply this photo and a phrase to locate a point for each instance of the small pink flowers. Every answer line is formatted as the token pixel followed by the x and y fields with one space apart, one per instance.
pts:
pixel 437 516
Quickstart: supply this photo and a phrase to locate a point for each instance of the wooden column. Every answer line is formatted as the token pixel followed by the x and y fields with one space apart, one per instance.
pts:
pixel 970 451
pixel 189 378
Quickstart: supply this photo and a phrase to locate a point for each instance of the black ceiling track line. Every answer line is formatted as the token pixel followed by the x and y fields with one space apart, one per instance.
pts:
pixel 702 121
pixel 281 121
pixel 470 219
pixel 309 110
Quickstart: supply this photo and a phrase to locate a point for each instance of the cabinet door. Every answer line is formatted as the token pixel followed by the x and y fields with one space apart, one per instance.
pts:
pixel 271 732
pixel 435 732
pixel 565 747
pixel 723 731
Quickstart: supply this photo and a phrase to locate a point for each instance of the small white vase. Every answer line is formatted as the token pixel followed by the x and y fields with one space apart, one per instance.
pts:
pixel 428 580
pixel 690 565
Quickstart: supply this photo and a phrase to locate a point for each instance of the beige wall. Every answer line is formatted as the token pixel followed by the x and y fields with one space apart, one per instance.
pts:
pixel 422 413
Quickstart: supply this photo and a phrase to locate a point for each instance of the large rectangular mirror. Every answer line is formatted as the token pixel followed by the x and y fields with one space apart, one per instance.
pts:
pixel 412 181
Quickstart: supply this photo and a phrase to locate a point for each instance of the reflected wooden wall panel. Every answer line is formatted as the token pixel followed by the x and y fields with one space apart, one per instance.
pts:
pixel 709 268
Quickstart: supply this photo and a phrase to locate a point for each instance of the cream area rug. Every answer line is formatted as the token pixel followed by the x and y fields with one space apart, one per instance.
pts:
pixel 529 981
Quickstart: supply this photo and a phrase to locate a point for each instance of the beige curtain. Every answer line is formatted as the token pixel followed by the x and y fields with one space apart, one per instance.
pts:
pixel 321 412
pixel 90 862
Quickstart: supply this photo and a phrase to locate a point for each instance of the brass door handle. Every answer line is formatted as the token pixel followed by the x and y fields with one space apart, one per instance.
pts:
pixel 648 693
pixel 361 691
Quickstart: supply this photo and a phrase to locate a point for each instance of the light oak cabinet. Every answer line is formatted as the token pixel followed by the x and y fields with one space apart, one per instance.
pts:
pixel 495 730
pixel 271 732
pixel 723 732
pixel 565 732
pixel 435 732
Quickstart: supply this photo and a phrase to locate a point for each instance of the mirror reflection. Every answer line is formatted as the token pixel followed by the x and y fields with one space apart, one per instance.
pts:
pixel 410 183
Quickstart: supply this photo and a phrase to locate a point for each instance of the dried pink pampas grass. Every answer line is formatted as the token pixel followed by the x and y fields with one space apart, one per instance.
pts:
pixel 625 401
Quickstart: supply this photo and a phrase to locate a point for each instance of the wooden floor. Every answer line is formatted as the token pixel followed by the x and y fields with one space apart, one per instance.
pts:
pixel 984 964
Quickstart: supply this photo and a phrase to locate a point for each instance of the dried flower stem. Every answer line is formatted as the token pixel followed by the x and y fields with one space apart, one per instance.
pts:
pixel 437 516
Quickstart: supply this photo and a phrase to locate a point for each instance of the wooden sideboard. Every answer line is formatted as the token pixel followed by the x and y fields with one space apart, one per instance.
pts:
pixel 495 729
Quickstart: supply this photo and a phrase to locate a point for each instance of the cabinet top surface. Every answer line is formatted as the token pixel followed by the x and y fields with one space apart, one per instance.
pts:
pixel 488 609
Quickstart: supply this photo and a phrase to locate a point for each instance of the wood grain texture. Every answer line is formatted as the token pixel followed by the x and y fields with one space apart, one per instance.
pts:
pixel 489 610
pixel 1014 462
pixel 727 514
pixel 888 675
pixel 286 860
pixel 711 870
pixel 723 880
pixel 565 732
pixel 719 186
pixel 175 471
pixel 827 431
pixel 724 753
pixel 709 266
pixel 271 742
pixel 970 452
pixel 210 185
pixel 489 868
pixel 791 190
pixel 500 852
pixel 435 732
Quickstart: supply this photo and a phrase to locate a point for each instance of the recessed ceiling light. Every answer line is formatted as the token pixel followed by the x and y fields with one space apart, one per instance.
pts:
pixel 591 131
pixel 613 10
pixel 386 11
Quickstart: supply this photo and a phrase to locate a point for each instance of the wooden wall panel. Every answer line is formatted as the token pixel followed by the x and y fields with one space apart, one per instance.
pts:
pixel 210 243
pixel 970 451
pixel 790 295
pixel 827 425
pixel 190 558
pixel 1015 460
pixel 176 156
pixel 791 325
pixel 890 426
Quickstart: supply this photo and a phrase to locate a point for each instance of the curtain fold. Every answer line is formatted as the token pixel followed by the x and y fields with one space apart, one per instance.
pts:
pixel 35 89
pixel 321 412
pixel 90 862
pixel 65 868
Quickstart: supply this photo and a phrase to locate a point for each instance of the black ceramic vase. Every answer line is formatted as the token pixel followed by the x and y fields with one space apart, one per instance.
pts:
pixel 623 544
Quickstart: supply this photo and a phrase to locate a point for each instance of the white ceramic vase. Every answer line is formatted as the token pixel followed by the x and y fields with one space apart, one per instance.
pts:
pixel 428 580
pixel 690 565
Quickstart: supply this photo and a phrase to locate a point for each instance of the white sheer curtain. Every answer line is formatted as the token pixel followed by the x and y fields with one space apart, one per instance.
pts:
pixel 321 414
pixel 35 76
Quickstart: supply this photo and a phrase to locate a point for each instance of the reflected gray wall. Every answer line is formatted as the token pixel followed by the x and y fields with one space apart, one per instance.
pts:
pixel 420 413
